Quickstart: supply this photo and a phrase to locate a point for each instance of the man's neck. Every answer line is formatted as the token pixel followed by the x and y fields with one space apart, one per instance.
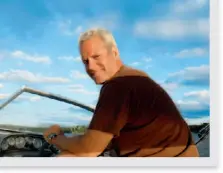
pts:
pixel 120 65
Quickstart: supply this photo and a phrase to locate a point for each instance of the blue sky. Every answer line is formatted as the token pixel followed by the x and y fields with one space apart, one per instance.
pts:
pixel 167 39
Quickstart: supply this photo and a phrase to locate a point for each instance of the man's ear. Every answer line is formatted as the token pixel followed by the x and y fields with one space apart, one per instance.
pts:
pixel 115 52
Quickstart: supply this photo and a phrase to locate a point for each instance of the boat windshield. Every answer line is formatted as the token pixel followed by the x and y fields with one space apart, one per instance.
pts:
pixel 34 110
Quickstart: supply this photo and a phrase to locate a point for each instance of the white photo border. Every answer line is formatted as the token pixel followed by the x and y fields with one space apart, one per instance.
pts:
pixel 211 161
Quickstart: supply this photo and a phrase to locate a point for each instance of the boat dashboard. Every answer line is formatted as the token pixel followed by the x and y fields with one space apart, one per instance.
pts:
pixel 25 145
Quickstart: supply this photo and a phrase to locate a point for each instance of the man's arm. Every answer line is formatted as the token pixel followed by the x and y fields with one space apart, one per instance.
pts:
pixel 110 116
pixel 91 144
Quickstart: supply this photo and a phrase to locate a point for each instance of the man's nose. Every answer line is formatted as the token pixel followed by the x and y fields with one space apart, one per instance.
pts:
pixel 91 65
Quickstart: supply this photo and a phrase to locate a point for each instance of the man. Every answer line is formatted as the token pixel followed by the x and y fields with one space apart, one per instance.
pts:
pixel 133 114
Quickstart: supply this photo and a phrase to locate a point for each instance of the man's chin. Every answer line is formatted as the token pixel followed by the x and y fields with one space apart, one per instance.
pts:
pixel 98 81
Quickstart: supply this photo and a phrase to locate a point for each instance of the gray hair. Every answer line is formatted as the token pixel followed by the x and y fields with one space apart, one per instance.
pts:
pixel 104 34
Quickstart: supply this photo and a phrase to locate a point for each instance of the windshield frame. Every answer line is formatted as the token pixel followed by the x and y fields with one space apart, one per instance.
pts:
pixel 45 94
pixel 41 93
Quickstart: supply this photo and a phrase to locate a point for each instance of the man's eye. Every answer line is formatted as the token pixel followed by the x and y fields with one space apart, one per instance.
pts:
pixel 85 61
pixel 95 56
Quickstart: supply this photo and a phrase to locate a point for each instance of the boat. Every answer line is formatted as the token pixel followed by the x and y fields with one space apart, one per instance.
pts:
pixel 25 143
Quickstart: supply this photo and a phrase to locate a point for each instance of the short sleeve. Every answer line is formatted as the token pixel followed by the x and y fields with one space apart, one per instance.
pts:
pixel 111 112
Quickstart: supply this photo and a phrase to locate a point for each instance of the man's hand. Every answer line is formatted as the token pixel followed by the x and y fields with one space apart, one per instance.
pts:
pixel 90 144
pixel 56 129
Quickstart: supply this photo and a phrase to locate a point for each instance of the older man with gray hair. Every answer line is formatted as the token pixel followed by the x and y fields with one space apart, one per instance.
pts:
pixel 134 116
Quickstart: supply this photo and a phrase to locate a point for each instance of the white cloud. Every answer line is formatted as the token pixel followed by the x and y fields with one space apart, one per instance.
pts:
pixel 85 92
pixel 172 29
pixel 202 95
pixel 68 118
pixel 189 72
pixel 135 64
pixel 147 59
pixel 78 29
pixel 192 75
pixel 48 123
pixel 76 86
pixel 176 26
pixel 69 27
pixel 190 105
pixel 35 98
pixel 70 58
pixel 170 86
pixel 29 98
pixel 21 97
pixel 78 75
pixel 184 6
pixel 27 76
pixel 28 57
pixel 81 89
pixel 65 28
pixel 83 118
pixel 144 61
pixel 4 96
pixel 197 121
pixel 195 52
pixel 19 119
pixel 78 89
pixel 93 105
pixel 52 113
pixel 1 85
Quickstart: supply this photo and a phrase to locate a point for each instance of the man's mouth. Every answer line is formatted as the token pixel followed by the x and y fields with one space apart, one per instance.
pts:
pixel 94 75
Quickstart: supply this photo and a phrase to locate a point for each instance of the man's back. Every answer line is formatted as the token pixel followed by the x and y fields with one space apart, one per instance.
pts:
pixel 142 116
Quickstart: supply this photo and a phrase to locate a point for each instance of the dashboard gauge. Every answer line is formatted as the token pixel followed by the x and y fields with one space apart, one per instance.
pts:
pixel 20 142
pixel 29 140
pixel 37 143
pixel 11 141
pixel 4 145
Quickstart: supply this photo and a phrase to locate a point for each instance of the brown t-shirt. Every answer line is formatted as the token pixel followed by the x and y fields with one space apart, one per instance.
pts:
pixel 142 117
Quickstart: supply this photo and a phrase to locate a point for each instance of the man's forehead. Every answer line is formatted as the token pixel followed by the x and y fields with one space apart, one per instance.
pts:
pixel 92 46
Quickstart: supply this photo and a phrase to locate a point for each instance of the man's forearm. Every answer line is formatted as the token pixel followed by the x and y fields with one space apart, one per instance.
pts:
pixel 69 143
pixel 75 145
pixel 90 144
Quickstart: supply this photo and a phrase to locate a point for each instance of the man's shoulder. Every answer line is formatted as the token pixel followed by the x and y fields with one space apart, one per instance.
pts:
pixel 130 71
pixel 127 74
pixel 128 83
pixel 128 78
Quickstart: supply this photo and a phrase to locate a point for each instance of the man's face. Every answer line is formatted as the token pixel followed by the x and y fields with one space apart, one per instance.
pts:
pixel 99 62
